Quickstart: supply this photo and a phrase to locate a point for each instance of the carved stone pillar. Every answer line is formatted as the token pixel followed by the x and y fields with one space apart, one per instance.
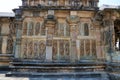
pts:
pixel 73 21
pixel 98 43
pixel 18 40
pixel 73 43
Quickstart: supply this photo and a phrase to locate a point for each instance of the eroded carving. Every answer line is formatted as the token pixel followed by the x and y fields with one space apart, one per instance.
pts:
pixel 10 44
pixel 42 50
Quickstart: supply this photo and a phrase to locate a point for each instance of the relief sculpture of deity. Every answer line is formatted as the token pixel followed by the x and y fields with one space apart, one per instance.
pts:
pixel 24 54
pixel 42 49
pixel 37 28
pixel 87 47
pixel 36 50
pixel 30 49
pixel 66 50
pixel 61 49
pixel 55 49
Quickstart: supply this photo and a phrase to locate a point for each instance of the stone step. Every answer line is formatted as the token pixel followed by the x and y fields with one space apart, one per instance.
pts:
pixel 54 67
pixel 57 69
pixel 39 63
pixel 58 74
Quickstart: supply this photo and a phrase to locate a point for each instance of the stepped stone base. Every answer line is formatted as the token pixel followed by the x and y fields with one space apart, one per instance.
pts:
pixel 58 71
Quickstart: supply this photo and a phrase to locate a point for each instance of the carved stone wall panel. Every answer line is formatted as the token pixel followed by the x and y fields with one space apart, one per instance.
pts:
pixel 55 49
pixel 42 50
pixel 37 28
pixel 30 28
pixel 61 49
pixel 24 30
pixel 42 29
pixel 94 48
pixel 61 29
pixel 12 29
pixel 30 49
pixel 67 49
pixel 24 48
pixel 82 48
pixel 56 30
pixel 36 49
pixel 87 43
pixel 10 44
pixel 73 51
pixel 67 30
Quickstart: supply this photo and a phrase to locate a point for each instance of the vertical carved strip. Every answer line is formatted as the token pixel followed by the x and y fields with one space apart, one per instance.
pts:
pixel 82 47
pixel 25 28
pixel 61 49
pixel 30 49
pixel 55 50
pixel 36 49
pixel 24 48
pixel 67 50
pixel 37 28
pixel 42 49
pixel 90 47
pixel 30 29
pixel 94 47
pixel 67 30
pixel 9 45
pixel 87 47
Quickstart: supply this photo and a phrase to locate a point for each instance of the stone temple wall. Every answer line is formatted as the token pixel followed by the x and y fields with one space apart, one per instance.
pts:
pixel 60 36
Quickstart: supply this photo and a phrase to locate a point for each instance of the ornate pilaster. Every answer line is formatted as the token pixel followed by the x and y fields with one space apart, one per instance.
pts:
pixel 97 23
pixel 18 40
pixel 74 48
pixel 73 43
